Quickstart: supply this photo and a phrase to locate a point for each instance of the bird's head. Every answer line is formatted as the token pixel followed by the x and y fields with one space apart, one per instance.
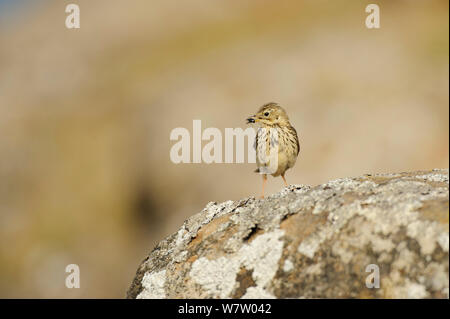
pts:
pixel 268 115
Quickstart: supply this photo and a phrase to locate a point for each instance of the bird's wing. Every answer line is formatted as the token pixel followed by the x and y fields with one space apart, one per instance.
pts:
pixel 296 139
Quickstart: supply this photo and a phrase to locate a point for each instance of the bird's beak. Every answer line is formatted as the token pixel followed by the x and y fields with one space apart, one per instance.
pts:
pixel 251 119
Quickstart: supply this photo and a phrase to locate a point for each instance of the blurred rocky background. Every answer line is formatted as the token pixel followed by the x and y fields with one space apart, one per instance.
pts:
pixel 85 117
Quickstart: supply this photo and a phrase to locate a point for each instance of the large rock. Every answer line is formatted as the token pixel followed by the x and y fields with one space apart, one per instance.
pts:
pixel 311 243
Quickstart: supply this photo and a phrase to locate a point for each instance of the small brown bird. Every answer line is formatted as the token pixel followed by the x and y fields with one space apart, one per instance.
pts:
pixel 276 142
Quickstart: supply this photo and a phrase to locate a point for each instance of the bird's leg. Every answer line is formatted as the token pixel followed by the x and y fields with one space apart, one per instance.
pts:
pixel 264 184
pixel 284 179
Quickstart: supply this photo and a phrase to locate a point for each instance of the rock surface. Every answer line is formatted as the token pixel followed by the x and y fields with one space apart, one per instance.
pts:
pixel 311 242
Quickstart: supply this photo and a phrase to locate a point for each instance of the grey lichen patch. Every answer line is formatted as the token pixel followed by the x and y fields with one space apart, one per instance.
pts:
pixel 440 176
pixel 443 241
pixel 288 265
pixel 311 242
pixel 424 233
pixel 411 290
pixel 262 255
pixel 153 284
pixel 310 245
pixel 217 277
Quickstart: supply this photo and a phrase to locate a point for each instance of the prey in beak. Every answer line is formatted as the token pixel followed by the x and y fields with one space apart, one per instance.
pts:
pixel 251 119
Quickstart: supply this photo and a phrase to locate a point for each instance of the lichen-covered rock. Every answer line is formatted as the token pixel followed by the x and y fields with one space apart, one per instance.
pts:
pixel 312 243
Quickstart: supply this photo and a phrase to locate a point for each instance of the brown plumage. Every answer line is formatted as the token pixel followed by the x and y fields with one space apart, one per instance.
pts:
pixel 276 142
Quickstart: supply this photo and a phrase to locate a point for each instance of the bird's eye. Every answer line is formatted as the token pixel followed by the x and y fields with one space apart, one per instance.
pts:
pixel 266 114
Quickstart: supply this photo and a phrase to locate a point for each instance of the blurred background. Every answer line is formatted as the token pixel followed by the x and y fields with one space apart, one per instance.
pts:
pixel 86 114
